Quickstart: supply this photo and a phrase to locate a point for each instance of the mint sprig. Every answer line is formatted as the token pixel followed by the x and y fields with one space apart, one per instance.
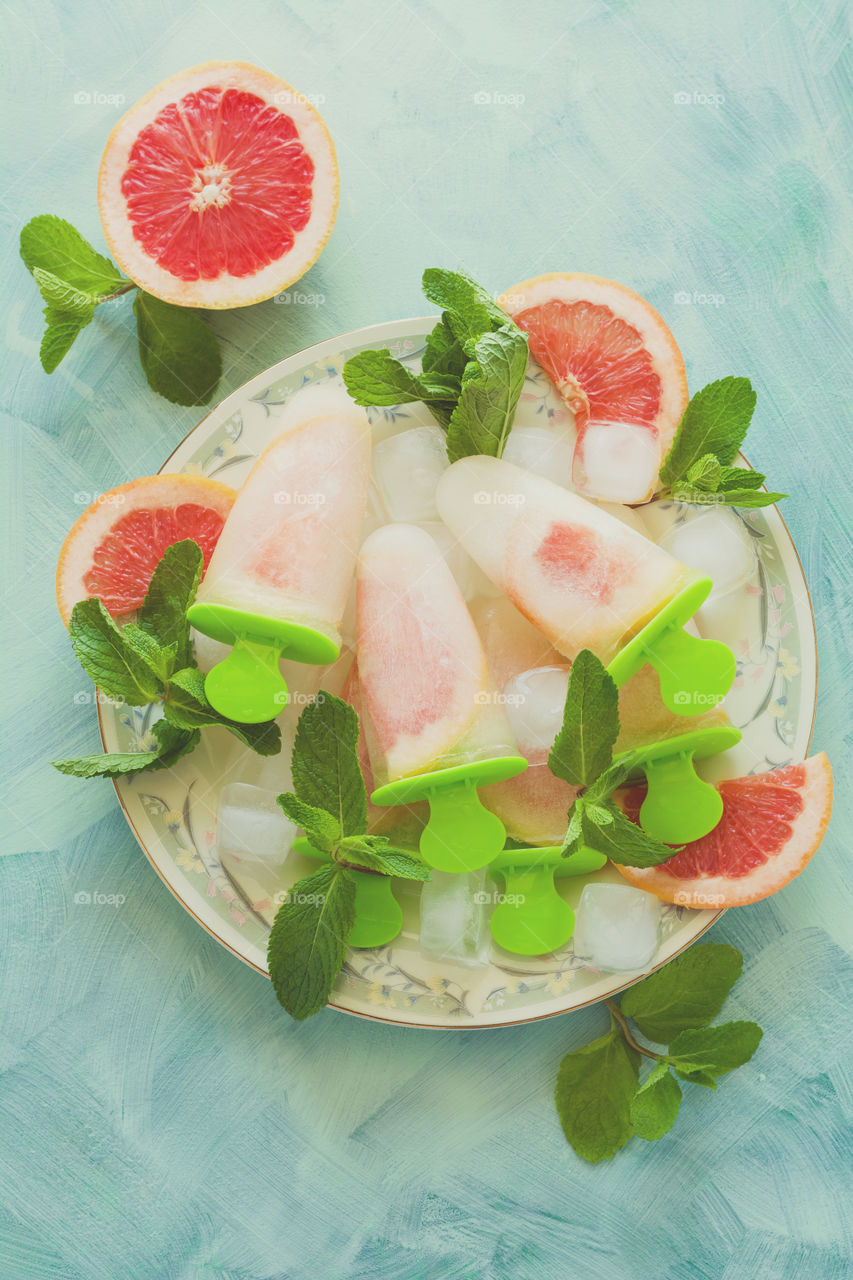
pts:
pixel 698 467
pixel 472 371
pixel 600 1099
pixel 151 661
pixel 582 755
pixel 179 353
pixel 308 940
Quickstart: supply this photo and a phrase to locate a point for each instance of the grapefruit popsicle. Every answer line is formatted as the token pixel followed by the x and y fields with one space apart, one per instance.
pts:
pixel 435 728
pixel 278 580
pixel 585 579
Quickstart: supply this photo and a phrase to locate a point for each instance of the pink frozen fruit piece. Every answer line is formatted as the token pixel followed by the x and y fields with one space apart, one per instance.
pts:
pixel 289 546
pixel 582 577
pixel 427 695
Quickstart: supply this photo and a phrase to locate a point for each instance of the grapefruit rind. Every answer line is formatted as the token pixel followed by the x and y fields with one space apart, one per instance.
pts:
pixel 628 306
pixel 95 523
pixel 225 291
pixel 713 892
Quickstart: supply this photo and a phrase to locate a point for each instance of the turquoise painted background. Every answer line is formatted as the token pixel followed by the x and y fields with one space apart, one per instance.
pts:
pixel 161 1118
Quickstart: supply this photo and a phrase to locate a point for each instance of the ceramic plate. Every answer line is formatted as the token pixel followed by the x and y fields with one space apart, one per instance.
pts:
pixel 766 617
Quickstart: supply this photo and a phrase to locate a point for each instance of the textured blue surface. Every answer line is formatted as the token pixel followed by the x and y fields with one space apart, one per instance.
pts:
pixel 160 1117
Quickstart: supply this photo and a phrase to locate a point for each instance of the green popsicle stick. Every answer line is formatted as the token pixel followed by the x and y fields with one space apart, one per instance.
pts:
pixel 461 834
pixel 680 806
pixel 694 674
pixel 533 918
pixel 247 684
pixel 378 914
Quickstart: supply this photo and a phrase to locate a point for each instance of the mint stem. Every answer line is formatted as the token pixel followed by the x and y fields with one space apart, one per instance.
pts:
pixel 108 297
pixel 626 1032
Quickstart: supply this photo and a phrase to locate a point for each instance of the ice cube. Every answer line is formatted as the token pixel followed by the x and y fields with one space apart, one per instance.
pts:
pixel 252 826
pixel 617 461
pixel 406 468
pixel 547 451
pixel 454 917
pixel 534 704
pixel 617 927
pixel 714 541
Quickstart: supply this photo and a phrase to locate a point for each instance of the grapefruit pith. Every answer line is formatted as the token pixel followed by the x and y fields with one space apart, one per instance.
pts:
pixel 772 823
pixel 114 547
pixel 218 188
pixel 617 368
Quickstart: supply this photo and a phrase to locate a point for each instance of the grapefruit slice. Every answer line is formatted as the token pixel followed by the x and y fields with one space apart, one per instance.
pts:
pixel 218 188
pixel 618 369
pixel 772 823
pixel 115 546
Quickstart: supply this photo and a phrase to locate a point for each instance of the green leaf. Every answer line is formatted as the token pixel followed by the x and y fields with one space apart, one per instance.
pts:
pixel 583 749
pixel 740 478
pixel 324 762
pixel 308 939
pixel 178 351
pixel 750 498
pixel 654 1107
pixel 322 829
pixel 715 421
pixel 625 764
pixel 688 992
pixel 170 593
pixel 715 1050
pixel 573 838
pixel 186 705
pixel 159 659
pixel 58 338
pixel 378 378
pixel 444 354
pixel 51 245
pixel 491 386
pixel 703 1078
pixel 595 1086
pixel 705 474
pixel 103 653
pixel 57 293
pixel 469 310
pixel 374 853
pixel 624 842
pixel 172 744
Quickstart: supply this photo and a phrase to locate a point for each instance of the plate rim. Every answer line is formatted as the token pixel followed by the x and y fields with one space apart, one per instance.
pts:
pixel 390 329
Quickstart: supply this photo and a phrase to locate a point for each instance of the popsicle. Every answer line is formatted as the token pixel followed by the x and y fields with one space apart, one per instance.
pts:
pixel 435 729
pixel 585 579
pixel 278 580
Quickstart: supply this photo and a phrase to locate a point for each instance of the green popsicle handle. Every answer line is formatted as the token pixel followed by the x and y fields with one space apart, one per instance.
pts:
pixel 581 863
pixel 378 914
pixel 531 918
pixel 679 806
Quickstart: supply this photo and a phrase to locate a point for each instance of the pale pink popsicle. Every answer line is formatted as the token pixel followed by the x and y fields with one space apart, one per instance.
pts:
pixel 427 695
pixel 585 579
pixel 289 546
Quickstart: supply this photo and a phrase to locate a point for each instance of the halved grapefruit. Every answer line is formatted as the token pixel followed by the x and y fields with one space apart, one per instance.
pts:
pixel 218 188
pixel 772 823
pixel 115 545
pixel 618 369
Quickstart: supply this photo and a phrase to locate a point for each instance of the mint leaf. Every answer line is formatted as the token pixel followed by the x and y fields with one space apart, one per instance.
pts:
pixel 595 1086
pixel 444 354
pixel 172 744
pixel 491 386
pixel 714 1050
pixel 654 1107
pixel 750 498
pixel 320 827
pixel 687 993
pixel 324 762
pixel 58 338
pixel 573 838
pixel 186 706
pixel 622 841
pixel 103 653
pixel 159 659
pixel 375 853
pixel 378 378
pixel 170 593
pixel 178 351
pixel 705 474
pixel 703 1078
pixel 583 749
pixel 715 421
pixel 308 939
pixel 740 478
pixel 625 764
pixel 56 250
pixel 469 311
